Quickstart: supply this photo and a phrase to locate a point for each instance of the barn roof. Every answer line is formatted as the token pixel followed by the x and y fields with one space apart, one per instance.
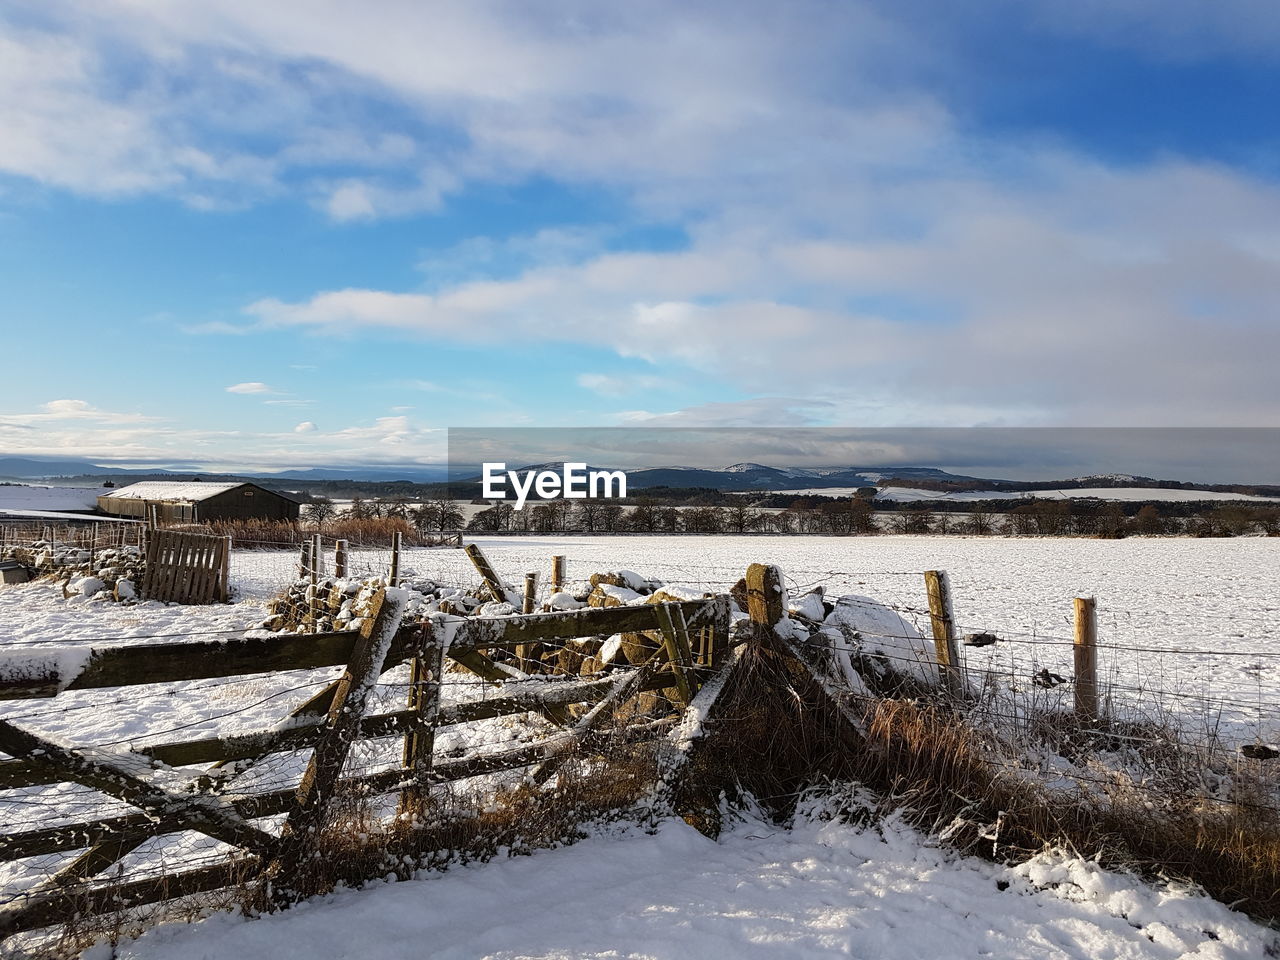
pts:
pixel 193 491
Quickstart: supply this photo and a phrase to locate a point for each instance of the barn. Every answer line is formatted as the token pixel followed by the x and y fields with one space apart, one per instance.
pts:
pixel 197 501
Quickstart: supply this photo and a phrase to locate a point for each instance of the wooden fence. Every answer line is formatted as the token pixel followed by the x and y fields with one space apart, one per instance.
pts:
pixel 187 568
pixel 694 643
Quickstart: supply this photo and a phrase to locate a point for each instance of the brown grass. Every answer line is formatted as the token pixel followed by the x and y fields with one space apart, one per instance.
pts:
pixel 269 534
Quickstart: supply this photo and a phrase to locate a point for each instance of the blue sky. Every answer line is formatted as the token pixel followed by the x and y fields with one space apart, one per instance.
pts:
pixel 272 235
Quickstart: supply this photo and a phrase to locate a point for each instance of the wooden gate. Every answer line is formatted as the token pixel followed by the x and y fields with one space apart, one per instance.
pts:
pixel 187 568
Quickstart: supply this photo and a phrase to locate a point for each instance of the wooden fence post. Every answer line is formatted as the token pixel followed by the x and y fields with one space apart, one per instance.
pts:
pixel 226 569
pixel 425 673
pixel 530 592
pixel 340 559
pixel 764 594
pixel 557 573
pixel 1086 659
pixel 304 560
pixel 501 592
pixel 943 623
pixel 317 558
pixel 393 578
pixel 350 698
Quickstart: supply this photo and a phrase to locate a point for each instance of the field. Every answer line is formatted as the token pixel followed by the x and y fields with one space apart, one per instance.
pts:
pixel 1187 628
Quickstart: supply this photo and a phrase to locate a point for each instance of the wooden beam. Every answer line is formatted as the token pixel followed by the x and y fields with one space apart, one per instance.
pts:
pixel 497 586
pixel 134 664
pixel 311 800
pixel 114 776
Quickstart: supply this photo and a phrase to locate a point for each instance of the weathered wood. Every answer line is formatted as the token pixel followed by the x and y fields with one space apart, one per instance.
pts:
pixel 541 694
pixel 393 576
pixel 186 567
pixel 1086 659
pixel 340 551
pixel 764 594
pixel 840 696
pixel 942 622
pixel 90 901
pixel 679 748
pixel 557 573
pixel 496 585
pixel 134 664
pixel 675 639
pixel 311 800
pixel 225 584
pixel 622 691
pixel 77 836
pixel 426 671
pixel 108 773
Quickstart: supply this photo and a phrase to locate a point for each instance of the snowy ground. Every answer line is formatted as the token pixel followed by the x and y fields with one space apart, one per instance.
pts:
pixel 1201 613
pixel 815 891
pixel 1179 619
pixel 909 494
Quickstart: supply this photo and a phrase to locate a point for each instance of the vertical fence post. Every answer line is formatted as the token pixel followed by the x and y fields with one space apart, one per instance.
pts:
pixel 943 624
pixel 523 650
pixel 317 558
pixel 340 559
pixel 304 560
pixel 557 573
pixel 425 673
pixel 764 594
pixel 393 578
pixel 93 546
pixel 226 569
pixel 1086 659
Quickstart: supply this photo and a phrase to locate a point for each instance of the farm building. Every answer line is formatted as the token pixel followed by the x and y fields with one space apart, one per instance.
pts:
pixel 198 501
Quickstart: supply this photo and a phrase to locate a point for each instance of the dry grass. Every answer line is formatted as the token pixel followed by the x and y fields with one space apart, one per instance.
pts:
pixel 359 532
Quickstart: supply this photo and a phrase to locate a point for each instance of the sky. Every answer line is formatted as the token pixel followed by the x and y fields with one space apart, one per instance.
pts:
pixel 285 234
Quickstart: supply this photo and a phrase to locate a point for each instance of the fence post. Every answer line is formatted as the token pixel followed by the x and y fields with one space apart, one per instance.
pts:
pixel 943 624
pixel 530 592
pixel 317 557
pixel 226 569
pixel 425 673
pixel 523 650
pixel 304 560
pixel 764 594
pixel 557 573
pixel 340 559
pixel 393 578
pixel 1086 659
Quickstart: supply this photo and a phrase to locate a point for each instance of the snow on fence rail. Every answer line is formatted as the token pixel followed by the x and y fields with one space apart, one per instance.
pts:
pixel 329 723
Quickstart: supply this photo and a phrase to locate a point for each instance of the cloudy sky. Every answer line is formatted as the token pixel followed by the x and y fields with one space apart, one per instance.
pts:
pixel 287 233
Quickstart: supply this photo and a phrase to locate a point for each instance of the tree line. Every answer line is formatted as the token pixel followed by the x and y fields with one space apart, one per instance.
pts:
pixel 848 517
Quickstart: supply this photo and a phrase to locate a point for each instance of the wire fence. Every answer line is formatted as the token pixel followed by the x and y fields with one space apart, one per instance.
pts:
pixel 1161 700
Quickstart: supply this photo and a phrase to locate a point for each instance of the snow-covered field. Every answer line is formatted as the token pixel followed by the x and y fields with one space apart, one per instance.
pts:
pixel 910 494
pixel 821 889
pixel 1201 616
pixel 1204 615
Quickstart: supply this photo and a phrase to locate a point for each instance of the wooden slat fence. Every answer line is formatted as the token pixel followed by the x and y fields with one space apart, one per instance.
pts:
pixel 187 568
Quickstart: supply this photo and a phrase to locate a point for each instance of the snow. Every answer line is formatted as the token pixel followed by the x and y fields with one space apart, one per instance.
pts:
pixel 1127 494
pixel 821 889
pixel 172 490
pixel 1205 608
pixel 28 497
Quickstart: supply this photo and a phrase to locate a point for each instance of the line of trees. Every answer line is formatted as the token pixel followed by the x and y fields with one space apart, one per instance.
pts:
pixel 847 517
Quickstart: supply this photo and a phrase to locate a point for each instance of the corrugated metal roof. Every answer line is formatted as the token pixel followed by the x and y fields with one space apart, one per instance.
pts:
pixel 188 490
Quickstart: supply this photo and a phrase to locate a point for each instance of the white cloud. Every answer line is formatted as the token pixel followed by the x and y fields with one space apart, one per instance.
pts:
pixel 306 426
pixel 253 386
pixel 611 385
pixel 62 410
